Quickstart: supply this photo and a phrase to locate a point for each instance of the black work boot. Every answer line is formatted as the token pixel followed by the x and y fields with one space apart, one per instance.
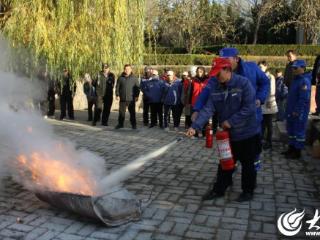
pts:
pixel 244 197
pixel 288 151
pixel 296 154
pixel 210 195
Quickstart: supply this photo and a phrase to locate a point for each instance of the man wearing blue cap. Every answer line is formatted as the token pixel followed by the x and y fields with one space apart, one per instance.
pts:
pixel 298 107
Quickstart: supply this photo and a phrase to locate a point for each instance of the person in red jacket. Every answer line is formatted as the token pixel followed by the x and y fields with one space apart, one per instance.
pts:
pixel 198 83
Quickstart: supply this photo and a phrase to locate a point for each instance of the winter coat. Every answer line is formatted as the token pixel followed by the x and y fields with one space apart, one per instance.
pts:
pixel 270 105
pixel 316 71
pixel 288 74
pixel 258 79
pixel 281 90
pixel 197 85
pixel 234 102
pixel 105 85
pixel 127 88
pixel 172 93
pixel 153 90
pixel 186 96
pixel 66 86
pixel 299 97
pixel 90 91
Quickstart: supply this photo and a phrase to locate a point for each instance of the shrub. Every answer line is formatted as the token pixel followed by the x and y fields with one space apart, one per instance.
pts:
pixel 257 50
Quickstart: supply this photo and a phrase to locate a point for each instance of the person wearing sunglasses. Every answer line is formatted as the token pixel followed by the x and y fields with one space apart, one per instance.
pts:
pixel 298 107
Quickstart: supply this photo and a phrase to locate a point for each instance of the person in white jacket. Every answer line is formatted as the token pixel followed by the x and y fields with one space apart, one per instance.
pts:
pixel 269 108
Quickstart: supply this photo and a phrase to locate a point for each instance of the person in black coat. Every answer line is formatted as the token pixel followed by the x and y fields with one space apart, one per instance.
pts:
pixel 67 89
pixel 106 81
pixel 316 81
pixel 127 91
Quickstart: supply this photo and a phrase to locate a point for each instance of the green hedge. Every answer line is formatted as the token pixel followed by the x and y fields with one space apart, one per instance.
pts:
pixel 257 50
pixel 198 59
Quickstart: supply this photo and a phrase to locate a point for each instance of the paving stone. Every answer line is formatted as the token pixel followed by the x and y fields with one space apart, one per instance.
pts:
pixel 179 229
pixel 166 227
pixel 178 179
pixel 223 234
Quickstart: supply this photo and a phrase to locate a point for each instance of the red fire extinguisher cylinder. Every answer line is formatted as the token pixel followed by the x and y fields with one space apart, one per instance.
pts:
pixel 209 136
pixel 224 149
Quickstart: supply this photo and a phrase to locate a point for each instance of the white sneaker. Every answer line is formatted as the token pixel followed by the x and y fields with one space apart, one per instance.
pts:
pixel 166 129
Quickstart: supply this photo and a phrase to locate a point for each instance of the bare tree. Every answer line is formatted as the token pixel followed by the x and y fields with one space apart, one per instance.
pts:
pixel 256 10
pixel 308 17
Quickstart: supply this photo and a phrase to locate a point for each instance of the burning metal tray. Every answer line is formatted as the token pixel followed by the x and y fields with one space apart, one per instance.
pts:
pixel 113 209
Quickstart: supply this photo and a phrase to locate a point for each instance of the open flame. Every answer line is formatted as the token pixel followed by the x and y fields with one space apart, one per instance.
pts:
pixel 52 174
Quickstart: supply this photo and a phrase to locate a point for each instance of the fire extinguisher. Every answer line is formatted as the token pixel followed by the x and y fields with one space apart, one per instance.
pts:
pixel 224 149
pixel 209 136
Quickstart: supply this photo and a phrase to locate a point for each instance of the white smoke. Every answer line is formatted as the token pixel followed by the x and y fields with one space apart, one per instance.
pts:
pixel 24 131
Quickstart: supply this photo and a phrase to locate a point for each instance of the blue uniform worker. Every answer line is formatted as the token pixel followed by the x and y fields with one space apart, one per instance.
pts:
pixel 153 91
pixel 232 97
pixel 250 70
pixel 298 107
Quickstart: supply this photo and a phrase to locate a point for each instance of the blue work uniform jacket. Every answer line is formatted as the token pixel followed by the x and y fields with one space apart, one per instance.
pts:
pixel 258 79
pixel 153 90
pixel 172 93
pixel 299 97
pixel 234 102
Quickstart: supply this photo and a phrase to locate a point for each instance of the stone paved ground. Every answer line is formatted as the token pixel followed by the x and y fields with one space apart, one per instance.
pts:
pixel 178 179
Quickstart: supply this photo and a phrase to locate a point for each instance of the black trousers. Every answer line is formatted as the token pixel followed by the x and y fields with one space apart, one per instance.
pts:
pixel 122 113
pixel 176 112
pixel 66 102
pixel 215 123
pixel 267 127
pixel 91 104
pixel 107 103
pixel 97 110
pixel 146 111
pixel 156 113
pixel 188 121
pixel 244 151
pixel 51 105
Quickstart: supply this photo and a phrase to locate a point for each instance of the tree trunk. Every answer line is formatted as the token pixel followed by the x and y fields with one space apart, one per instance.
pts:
pixel 256 30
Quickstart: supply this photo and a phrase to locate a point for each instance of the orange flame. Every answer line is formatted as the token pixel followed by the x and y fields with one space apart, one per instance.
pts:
pixel 55 175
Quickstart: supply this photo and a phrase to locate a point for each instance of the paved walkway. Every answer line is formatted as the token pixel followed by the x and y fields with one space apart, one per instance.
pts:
pixel 178 179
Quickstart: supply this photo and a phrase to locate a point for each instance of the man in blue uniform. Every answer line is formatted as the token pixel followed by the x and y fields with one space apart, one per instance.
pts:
pixel 232 97
pixel 298 107
pixel 250 70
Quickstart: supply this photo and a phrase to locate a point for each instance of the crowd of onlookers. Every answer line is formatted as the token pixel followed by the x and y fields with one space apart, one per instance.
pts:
pixel 242 98
pixel 166 97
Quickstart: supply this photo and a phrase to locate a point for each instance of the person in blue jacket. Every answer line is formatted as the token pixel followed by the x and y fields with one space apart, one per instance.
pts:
pixel 153 91
pixel 172 100
pixel 232 97
pixel 298 108
pixel 250 70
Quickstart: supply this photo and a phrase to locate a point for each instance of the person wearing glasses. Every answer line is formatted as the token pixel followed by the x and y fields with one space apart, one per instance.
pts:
pixel 298 108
